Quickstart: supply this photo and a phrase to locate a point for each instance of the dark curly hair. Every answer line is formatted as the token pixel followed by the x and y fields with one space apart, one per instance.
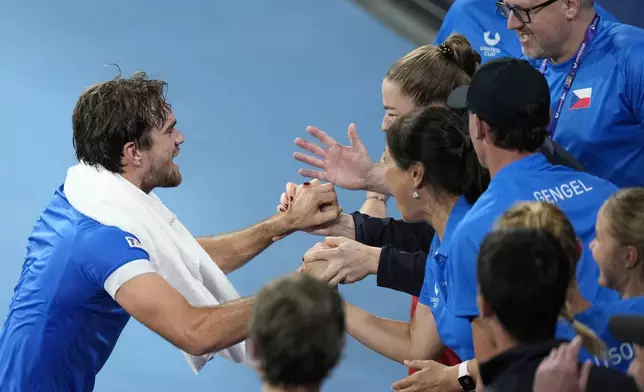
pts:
pixel 297 329
pixel 110 114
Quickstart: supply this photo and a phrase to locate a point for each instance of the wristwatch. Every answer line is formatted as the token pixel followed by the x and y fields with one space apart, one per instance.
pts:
pixel 467 382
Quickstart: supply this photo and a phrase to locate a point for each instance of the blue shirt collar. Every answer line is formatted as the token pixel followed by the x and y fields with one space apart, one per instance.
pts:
pixel 461 207
pixel 529 163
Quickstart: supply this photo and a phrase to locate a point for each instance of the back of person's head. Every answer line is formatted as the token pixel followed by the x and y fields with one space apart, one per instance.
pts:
pixel 435 137
pixel 542 215
pixel 624 213
pixel 547 216
pixel 110 114
pixel 297 331
pixel 512 99
pixel 429 73
pixel 523 276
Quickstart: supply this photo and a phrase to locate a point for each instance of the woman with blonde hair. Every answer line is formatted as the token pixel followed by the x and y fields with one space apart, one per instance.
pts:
pixel 591 321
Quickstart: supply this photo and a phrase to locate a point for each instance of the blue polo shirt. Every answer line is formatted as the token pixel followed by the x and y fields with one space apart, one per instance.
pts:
pixel 579 195
pixel 455 332
pixel 602 119
pixel 63 321
pixel 597 317
pixel 482 24
pixel 486 29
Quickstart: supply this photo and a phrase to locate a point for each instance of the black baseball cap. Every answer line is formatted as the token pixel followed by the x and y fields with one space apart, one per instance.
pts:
pixel 500 91
pixel 628 328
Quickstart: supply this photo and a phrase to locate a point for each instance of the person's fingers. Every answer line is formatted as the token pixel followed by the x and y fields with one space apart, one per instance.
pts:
pixel 321 136
pixel 290 193
pixel 275 239
pixel 334 242
pixel 572 351
pixel 332 274
pixel 330 214
pixel 404 383
pixel 309 160
pixel 311 147
pixel 320 175
pixel 317 255
pixel 283 199
pixel 584 375
pixel 353 136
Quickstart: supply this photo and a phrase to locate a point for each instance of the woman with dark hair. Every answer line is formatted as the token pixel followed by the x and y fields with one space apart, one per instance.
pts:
pixel 431 169
pixel 406 88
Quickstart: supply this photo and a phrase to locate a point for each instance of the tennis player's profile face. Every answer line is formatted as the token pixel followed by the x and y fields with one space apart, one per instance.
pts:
pixel 162 171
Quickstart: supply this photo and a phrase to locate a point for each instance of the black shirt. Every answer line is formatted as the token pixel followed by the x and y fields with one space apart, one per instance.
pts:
pixel 514 370
pixel 404 250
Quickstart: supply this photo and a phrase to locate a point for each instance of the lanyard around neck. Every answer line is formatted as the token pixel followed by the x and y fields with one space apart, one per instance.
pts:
pixel 588 37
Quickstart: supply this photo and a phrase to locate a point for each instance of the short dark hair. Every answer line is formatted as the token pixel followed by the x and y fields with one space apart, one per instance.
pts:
pixel 297 329
pixel 110 114
pixel 523 274
pixel 436 137
pixel 528 131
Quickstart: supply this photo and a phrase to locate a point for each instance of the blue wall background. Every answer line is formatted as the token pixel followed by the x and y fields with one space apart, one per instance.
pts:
pixel 245 78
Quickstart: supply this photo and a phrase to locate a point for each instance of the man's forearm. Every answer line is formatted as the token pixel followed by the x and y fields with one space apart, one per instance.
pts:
pixel 375 179
pixel 231 251
pixel 215 329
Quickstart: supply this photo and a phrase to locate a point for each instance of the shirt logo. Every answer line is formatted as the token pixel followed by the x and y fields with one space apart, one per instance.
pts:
pixel 489 50
pixel 491 41
pixel 435 300
pixel 581 98
pixel 134 243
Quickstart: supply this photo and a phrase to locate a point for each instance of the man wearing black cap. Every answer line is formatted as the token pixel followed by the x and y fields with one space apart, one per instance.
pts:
pixel 509 111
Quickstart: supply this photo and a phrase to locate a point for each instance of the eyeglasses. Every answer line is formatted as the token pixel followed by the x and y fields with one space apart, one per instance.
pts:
pixel 523 14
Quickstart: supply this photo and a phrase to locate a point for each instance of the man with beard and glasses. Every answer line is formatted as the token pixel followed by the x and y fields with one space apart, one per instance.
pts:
pixel 595 70
pixel 106 248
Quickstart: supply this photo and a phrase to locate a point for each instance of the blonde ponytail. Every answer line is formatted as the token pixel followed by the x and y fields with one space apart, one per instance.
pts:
pixel 589 339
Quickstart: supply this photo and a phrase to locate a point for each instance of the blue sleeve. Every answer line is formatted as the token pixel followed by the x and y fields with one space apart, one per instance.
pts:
pixel 428 283
pixel 634 76
pixel 104 249
pixel 461 257
pixel 447 27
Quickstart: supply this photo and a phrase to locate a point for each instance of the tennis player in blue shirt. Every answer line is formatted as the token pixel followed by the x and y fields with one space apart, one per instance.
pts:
pixel 508 101
pixel 82 280
pixel 595 70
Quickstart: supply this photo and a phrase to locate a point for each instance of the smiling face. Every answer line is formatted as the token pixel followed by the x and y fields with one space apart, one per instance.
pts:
pixel 544 36
pixel 157 161
pixel 396 103
pixel 613 269
pixel 402 184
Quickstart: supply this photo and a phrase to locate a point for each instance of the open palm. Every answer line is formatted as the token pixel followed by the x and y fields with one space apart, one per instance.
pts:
pixel 344 166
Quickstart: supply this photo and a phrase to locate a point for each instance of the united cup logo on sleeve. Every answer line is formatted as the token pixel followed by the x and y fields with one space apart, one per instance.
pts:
pixel 491 40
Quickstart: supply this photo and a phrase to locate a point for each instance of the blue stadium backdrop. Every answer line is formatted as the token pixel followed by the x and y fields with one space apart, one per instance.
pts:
pixel 245 78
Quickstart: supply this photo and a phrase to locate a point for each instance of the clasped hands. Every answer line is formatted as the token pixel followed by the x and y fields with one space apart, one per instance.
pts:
pixel 335 259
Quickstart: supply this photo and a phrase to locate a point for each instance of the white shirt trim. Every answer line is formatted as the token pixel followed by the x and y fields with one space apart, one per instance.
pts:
pixel 125 273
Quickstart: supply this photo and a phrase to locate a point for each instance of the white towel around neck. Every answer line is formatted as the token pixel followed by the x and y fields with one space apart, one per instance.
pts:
pixel 112 200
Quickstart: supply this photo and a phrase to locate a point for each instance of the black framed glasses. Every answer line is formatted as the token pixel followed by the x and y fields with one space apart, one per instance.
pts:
pixel 523 14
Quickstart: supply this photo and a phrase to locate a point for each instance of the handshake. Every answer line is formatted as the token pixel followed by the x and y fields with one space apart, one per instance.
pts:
pixel 339 258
